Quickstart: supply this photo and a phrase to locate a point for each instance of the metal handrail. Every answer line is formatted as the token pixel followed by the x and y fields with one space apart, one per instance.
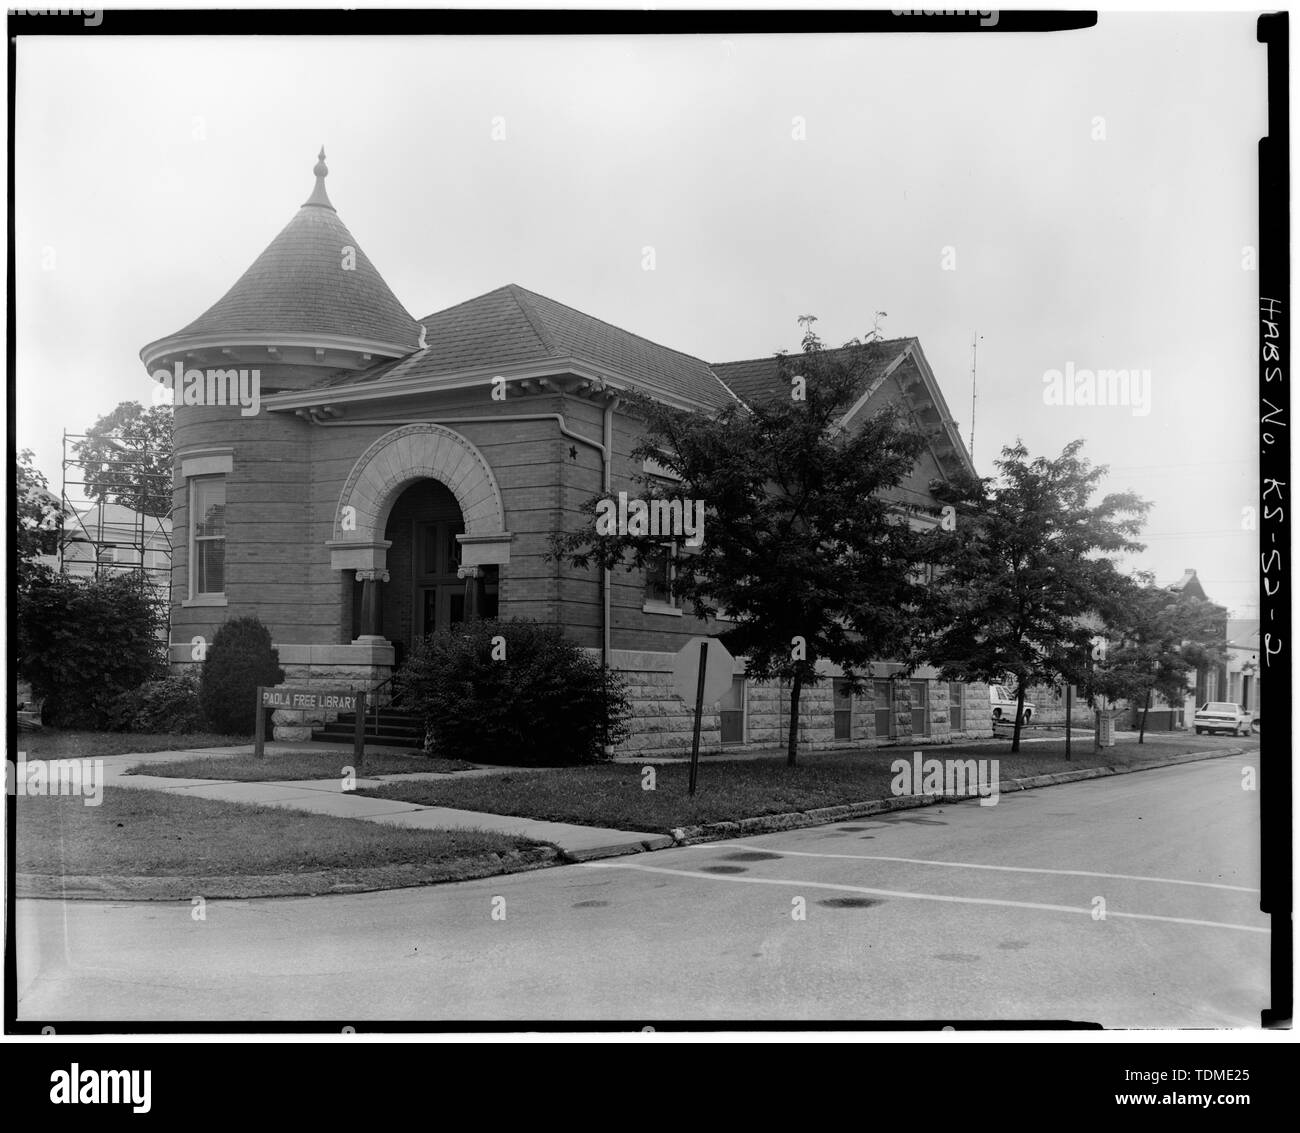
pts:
pixel 373 699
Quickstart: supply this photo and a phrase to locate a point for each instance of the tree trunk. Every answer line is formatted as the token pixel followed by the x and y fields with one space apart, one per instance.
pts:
pixel 793 745
pixel 1020 715
pixel 1142 730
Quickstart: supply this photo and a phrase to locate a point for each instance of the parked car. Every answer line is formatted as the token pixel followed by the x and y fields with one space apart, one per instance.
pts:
pixel 1220 716
pixel 1004 706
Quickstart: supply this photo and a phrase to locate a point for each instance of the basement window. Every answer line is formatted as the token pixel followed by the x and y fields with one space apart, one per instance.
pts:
pixel 732 712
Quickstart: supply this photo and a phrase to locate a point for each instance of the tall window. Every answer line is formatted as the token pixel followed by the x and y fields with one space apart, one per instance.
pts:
pixel 660 570
pixel 207 535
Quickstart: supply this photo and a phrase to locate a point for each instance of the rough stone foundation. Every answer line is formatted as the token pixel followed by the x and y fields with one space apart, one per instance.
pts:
pixel 663 723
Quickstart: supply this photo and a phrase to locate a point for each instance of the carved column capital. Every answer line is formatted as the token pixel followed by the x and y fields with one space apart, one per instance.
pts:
pixel 372 576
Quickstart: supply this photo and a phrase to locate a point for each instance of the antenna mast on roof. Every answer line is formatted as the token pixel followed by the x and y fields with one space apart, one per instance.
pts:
pixel 974 338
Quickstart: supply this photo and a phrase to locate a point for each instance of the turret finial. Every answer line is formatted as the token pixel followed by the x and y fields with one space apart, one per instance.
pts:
pixel 318 195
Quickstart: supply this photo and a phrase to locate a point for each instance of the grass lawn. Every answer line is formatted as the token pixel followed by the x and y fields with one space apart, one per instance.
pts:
pixel 154 834
pixel 296 765
pixel 612 794
pixel 53 743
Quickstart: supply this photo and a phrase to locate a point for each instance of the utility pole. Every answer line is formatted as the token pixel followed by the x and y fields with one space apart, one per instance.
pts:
pixel 974 339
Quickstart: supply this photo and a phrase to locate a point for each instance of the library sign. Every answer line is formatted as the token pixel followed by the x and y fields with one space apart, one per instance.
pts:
pixel 312 700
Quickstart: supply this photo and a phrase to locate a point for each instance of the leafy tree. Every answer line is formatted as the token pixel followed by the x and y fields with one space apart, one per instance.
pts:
pixel 1025 564
pixel 127 455
pixel 38 516
pixel 239 659
pixel 801 549
pixel 1161 638
pixel 84 642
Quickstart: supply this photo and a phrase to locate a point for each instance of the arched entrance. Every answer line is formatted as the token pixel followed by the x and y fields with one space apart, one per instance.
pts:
pixel 428 586
pixel 453 515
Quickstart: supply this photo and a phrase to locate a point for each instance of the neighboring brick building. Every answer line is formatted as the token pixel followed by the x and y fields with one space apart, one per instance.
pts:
pixel 399 475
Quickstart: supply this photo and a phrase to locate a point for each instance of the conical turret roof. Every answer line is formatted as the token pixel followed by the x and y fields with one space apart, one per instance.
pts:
pixel 312 279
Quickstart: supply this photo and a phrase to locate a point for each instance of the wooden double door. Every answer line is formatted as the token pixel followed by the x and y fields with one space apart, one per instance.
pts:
pixel 438 598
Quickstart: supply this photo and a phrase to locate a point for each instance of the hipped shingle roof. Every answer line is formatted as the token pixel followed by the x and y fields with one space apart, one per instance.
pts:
pixel 513 325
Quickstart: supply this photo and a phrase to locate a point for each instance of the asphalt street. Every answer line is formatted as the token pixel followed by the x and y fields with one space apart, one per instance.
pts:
pixel 947 912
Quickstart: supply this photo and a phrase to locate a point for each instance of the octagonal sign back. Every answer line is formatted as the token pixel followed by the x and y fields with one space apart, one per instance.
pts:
pixel 718 668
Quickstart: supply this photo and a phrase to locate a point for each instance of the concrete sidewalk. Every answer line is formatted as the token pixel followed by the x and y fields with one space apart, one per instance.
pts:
pixel 326 796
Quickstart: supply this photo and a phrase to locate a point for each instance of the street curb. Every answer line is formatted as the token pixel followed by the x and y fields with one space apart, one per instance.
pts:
pixel 236 887
pixel 822 816
pixel 619 849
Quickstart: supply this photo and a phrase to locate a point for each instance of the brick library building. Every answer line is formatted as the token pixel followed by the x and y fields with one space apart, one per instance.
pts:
pixel 374 489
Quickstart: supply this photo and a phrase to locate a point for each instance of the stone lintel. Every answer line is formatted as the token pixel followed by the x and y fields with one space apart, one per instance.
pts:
pixel 346 555
pixel 484 550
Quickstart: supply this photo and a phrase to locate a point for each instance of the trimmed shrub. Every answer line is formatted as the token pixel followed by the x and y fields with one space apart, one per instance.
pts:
pixel 167 705
pixel 515 692
pixel 83 643
pixel 122 710
pixel 170 705
pixel 239 659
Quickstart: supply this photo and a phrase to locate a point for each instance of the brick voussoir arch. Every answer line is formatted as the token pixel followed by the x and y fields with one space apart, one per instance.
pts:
pixel 407 454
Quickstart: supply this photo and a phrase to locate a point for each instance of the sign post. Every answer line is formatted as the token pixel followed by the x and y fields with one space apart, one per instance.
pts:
pixel 699 711
pixel 259 735
pixel 359 734
pixel 701 672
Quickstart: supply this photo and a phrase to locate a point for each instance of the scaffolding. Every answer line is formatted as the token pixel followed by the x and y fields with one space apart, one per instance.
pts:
pixel 99 538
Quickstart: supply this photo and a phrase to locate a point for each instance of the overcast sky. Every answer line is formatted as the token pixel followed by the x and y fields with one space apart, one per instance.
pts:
pixel 155 170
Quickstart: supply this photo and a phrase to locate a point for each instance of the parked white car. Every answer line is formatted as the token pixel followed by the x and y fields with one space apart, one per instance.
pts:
pixel 1003 705
pixel 1220 716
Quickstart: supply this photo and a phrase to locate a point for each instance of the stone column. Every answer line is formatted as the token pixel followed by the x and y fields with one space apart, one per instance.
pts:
pixel 371 620
pixel 473 577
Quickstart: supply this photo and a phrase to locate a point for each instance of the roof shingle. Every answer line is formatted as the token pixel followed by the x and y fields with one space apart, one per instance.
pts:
pixel 757 379
pixel 298 286
pixel 512 325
